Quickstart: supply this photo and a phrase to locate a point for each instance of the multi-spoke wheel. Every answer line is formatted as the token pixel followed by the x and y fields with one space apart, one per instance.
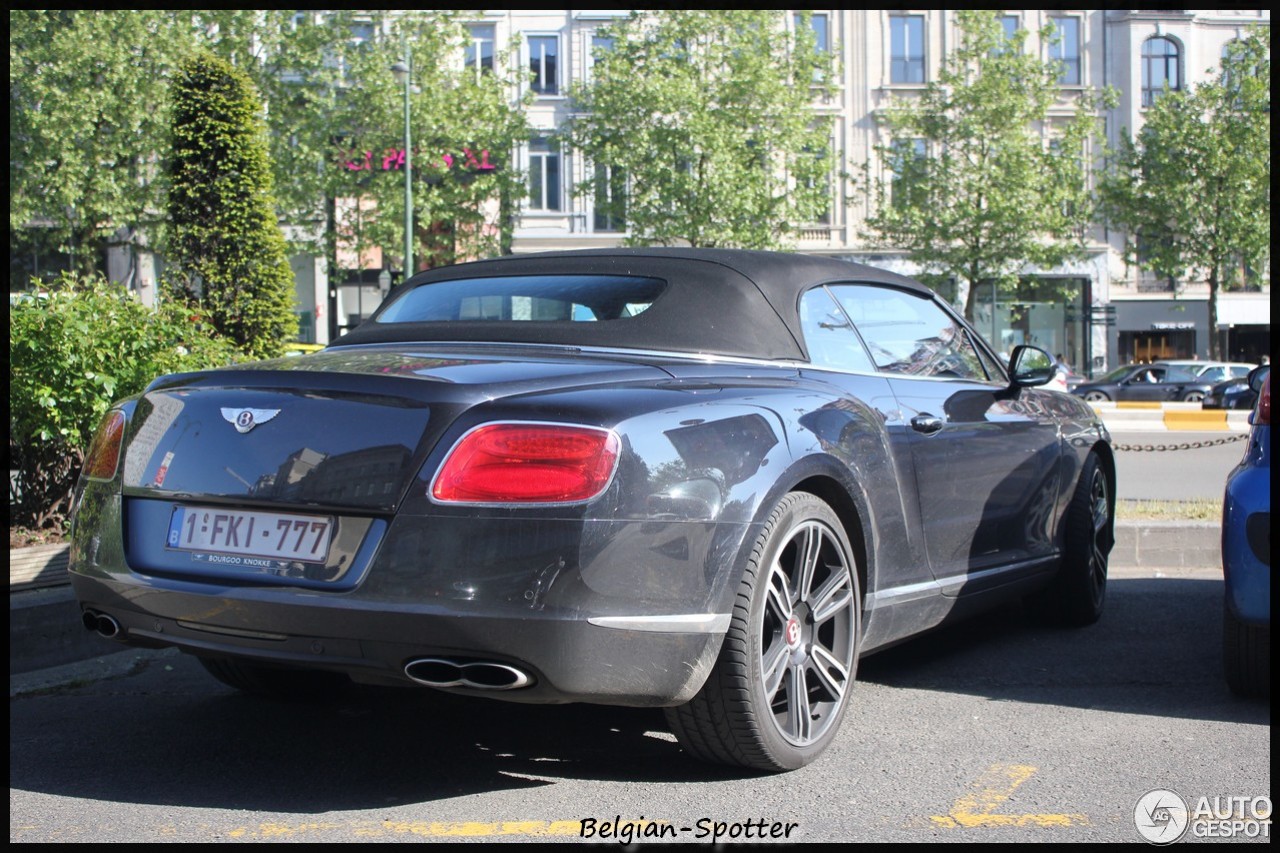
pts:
pixel 1077 594
pixel 781 685
pixel 1096 397
pixel 1193 397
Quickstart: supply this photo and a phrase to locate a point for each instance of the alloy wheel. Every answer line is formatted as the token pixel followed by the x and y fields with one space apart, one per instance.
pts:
pixel 807 633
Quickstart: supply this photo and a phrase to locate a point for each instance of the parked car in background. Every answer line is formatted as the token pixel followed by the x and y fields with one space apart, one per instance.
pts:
pixel 1246 556
pixel 702 480
pixel 1065 379
pixel 1210 371
pixel 1145 382
pixel 1232 394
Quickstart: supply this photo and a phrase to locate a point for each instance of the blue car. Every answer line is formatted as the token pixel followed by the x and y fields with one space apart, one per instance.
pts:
pixel 1246 556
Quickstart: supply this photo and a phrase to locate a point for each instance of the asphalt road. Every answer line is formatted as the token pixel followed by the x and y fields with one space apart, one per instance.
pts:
pixel 1176 474
pixel 994 730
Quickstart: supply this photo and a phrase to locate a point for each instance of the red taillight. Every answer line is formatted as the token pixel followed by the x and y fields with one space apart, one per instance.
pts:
pixel 104 451
pixel 1263 417
pixel 519 463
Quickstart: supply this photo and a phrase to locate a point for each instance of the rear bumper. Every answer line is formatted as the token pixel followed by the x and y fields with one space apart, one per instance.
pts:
pixel 1246 545
pixel 568 660
pixel 610 612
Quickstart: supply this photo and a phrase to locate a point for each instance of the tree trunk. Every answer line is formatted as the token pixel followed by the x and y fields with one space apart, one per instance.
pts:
pixel 966 298
pixel 1215 347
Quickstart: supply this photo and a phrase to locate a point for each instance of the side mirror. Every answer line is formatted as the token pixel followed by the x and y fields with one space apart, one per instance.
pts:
pixel 1030 366
pixel 1257 376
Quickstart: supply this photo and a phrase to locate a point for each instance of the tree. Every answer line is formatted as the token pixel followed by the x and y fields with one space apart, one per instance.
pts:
pixel 709 116
pixel 90 126
pixel 226 243
pixel 86 129
pixel 983 183
pixel 465 124
pixel 1196 183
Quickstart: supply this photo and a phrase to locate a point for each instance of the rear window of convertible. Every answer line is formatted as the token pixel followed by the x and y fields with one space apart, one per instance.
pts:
pixel 544 298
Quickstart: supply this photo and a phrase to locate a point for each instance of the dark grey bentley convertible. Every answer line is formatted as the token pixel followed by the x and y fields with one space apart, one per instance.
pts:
pixel 703 480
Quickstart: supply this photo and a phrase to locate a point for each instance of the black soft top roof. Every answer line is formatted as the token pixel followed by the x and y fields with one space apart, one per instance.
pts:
pixel 732 302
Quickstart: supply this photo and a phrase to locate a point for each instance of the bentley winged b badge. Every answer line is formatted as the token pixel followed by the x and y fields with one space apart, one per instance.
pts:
pixel 246 419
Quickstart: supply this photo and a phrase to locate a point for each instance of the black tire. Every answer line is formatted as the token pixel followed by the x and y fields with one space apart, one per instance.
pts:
pixel 273 682
pixel 1078 592
pixel 1193 397
pixel 1096 397
pixel 776 695
pixel 1246 656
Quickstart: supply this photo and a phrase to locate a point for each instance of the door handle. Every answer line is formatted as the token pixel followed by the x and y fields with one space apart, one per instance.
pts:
pixel 926 423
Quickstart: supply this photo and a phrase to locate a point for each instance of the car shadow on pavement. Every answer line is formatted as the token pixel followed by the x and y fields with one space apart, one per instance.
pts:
pixel 1156 650
pixel 172 735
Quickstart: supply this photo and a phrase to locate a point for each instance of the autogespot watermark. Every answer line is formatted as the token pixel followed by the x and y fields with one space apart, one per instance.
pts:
pixel 1163 817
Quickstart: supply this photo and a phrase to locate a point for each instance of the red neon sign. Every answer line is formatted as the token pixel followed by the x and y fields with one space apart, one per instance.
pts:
pixel 393 161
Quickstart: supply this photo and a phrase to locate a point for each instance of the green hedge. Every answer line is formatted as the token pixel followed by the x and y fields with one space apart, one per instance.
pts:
pixel 75 346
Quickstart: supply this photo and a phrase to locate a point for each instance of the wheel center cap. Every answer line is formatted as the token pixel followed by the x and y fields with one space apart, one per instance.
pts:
pixel 792 632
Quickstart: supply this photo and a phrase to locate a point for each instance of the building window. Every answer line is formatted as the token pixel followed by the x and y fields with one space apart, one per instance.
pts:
pixel 1160 69
pixel 609 204
pixel 820 24
pixel 544 175
pixel 1065 50
pixel 906 49
pixel 906 159
pixel 1008 29
pixel 600 45
pixel 823 182
pixel 479 54
pixel 360 36
pixel 544 53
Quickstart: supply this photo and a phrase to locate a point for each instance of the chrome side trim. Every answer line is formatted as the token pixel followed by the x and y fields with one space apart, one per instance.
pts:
pixel 952 584
pixel 676 623
pixel 900 594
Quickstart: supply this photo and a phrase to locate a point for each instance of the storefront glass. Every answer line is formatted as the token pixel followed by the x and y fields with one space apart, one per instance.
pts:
pixel 1044 312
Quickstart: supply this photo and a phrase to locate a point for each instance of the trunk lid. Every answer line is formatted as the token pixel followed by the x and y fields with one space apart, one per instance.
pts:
pixel 340 429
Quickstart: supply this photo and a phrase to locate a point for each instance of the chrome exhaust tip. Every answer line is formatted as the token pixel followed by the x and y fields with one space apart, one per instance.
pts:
pixel 107 626
pixel 101 623
pixel 476 675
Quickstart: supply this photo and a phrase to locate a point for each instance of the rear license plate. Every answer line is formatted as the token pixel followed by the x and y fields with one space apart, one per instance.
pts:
pixel 243 533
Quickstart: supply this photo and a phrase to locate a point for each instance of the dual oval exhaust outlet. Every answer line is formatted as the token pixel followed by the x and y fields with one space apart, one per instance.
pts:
pixel 103 624
pixel 476 675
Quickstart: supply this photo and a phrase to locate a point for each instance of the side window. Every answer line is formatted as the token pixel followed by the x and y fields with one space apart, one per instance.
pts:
pixel 829 336
pixel 909 333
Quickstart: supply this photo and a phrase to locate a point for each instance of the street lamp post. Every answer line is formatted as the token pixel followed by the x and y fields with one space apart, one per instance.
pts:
pixel 403 72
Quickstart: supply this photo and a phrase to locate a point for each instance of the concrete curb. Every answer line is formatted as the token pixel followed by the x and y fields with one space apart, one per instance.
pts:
pixel 1172 417
pixel 1168 545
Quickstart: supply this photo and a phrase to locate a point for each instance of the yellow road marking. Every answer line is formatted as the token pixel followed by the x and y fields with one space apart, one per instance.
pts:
pixel 991 791
pixel 422 828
